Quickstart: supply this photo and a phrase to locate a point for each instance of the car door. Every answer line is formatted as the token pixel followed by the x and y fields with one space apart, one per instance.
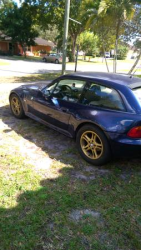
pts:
pixel 30 94
pixel 49 58
pixel 57 107
pixel 52 58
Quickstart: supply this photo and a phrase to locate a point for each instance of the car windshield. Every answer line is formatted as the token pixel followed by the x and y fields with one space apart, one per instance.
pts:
pixel 137 93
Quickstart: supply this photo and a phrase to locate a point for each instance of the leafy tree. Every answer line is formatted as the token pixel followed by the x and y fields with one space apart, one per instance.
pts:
pixel 88 43
pixel 100 25
pixel 52 13
pixel 122 52
pixel 119 11
pixel 133 32
pixel 18 24
pixel 137 45
pixel 110 19
pixel 49 34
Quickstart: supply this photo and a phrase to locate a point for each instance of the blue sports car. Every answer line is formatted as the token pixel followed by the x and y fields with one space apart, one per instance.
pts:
pixel 102 111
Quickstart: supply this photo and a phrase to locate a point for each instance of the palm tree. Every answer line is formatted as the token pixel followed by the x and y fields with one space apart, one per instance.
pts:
pixel 113 13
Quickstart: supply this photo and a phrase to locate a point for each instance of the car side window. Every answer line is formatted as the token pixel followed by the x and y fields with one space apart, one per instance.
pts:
pixel 47 91
pixel 102 96
pixel 69 90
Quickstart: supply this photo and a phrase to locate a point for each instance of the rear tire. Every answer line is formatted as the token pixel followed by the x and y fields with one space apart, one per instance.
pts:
pixel 16 106
pixel 93 145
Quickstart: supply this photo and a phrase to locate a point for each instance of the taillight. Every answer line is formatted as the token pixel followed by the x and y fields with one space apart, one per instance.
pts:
pixel 135 132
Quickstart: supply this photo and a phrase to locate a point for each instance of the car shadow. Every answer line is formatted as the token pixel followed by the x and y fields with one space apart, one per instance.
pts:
pixel 56 145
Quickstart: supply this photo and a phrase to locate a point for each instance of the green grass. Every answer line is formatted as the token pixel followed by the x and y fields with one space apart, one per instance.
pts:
pixel 35 212
pixel 29 78
pixel 36 202
pixel 27 58
pixel 4 63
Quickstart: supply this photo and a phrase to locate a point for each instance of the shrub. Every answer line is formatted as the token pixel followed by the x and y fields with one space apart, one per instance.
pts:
pixel 122 52
pixel 70 56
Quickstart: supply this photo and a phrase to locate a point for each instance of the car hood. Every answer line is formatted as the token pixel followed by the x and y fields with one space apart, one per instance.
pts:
pixel 37 86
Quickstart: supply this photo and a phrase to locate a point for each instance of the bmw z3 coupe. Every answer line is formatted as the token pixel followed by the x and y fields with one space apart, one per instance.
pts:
pixel 102 111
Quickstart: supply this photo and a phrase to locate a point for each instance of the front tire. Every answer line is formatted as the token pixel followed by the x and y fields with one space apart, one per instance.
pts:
pixel 93 145
pixel 16 106
pixel 44 59
pixel 57 61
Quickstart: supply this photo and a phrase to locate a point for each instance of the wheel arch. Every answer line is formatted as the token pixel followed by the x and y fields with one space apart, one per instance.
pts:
pixel 15 93
pixel 20 96
pixel 107 152
pixel 22 110
pixel 92 124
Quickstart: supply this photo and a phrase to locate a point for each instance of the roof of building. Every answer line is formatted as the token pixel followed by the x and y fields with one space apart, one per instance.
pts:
pixel 38 40
pixel 3 37
pixel 41 41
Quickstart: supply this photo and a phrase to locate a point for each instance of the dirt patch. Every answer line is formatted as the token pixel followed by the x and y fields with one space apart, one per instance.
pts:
pixel 77 215
pixel 89 173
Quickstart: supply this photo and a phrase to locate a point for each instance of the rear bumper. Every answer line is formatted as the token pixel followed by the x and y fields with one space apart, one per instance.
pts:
pixel 121 145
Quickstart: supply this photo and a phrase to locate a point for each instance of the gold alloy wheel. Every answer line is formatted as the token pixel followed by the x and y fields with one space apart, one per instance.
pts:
pixel 15 105
pixel 91 145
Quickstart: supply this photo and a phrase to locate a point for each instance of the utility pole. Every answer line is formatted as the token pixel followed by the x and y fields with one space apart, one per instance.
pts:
pixel 66 26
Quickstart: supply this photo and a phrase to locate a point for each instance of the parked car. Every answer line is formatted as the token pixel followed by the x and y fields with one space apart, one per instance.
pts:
pixel 107 54
pixel 54 57
pixel 102 111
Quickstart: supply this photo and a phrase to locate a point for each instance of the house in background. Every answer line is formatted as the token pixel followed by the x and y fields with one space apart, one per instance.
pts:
pixel 42 45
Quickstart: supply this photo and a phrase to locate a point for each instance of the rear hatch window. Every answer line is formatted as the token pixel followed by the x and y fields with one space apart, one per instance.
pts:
pixel 137 93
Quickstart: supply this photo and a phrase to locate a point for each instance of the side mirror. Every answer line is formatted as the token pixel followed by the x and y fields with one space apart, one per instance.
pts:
pixel 46 94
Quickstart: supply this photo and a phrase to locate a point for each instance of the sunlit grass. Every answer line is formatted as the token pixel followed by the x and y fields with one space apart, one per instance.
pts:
pixel 2 63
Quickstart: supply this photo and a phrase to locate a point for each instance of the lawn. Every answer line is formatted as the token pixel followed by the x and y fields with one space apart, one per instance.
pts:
pixel 29 78
pixel 27 58
pixel 2 63
pixel 50 199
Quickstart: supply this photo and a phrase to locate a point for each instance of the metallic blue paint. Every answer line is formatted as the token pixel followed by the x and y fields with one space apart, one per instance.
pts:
pixel 68 117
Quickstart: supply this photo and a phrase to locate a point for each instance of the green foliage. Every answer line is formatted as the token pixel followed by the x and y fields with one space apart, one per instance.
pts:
pixel 49 33
pixel 88 43
pixel 70 55
pixel 52 13
pixel 122 52
pixel 137 44
pixel 18 23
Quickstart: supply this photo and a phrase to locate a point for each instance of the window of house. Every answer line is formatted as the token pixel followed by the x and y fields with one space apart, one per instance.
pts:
pixel 10 46
pixel 102 96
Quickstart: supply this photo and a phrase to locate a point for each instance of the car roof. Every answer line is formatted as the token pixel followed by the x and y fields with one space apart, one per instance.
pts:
pixel 122 79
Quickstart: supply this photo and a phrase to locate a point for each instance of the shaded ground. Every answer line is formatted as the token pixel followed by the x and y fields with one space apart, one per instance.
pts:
pixel 50 199
pixel 28 78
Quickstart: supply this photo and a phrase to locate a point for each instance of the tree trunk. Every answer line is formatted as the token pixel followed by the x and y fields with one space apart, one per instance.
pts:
pixel 24 50
pixel 105 59
pixel 116 45
pixel 12 49
pixel 135 63
pixel 84 56
pixel 115 56
pixel 73 47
